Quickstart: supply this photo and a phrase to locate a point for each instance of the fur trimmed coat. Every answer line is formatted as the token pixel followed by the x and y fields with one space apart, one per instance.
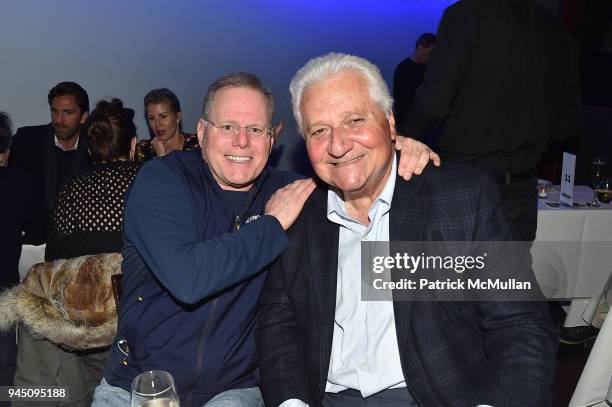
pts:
pixel 68 302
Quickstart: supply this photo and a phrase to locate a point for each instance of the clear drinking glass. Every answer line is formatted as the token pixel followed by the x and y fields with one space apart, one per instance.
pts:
pixel 154 388
pixel 597 169
pixel 604 190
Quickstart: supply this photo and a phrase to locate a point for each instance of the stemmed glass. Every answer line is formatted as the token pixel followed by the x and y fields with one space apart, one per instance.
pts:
pixel 154 389
pixel 604 190
pixel 597 169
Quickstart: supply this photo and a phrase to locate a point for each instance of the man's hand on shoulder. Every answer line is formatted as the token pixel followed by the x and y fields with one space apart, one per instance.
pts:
pixel 414 156
pixel 287 203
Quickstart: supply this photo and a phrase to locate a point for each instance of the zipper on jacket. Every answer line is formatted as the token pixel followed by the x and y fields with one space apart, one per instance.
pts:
pixel 208 325
pixel 248 202
pixel 200 355
pixel 247 205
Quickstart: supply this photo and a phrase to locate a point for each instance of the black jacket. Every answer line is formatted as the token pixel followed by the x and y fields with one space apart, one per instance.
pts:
pixel 452 353
pixel 33 151
pixel 17 207
pixel 502 81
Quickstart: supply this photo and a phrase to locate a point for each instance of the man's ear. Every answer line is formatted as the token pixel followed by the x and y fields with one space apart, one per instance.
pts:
pixel 84 117
pixel 278 129
pixel 392 126
pixel 201 128
pixel 276 132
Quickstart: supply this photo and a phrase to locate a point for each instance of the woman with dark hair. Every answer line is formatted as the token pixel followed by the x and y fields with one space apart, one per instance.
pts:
pixel 87 220
pixel 163 112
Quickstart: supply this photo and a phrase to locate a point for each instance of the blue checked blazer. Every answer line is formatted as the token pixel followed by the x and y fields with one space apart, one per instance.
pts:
pixel 452 353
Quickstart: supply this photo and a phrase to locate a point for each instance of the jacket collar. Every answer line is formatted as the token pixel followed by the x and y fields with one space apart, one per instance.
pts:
pixel 80 161
pixel 407 223
pixel 252 193
pixel 407 219
pixel 322 236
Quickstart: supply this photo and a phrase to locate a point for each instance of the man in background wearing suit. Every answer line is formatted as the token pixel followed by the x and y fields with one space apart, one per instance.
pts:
pixel 53 153
pixel 502 82
pixel 318 341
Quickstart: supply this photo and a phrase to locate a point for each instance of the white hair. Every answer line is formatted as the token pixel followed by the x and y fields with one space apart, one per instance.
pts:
pixel 321 68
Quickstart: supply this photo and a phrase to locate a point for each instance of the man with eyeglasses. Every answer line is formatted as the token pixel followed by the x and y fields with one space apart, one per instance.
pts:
pixel 198 231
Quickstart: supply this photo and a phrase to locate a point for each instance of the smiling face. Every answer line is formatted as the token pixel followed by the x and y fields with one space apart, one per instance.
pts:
pixel 237 160
pixel 348 136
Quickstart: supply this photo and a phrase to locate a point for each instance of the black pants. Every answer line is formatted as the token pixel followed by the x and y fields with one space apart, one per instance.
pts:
pixel 520 202
pixel 387 398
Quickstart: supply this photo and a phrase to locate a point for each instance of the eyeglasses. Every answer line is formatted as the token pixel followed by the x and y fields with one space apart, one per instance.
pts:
pixel 232 129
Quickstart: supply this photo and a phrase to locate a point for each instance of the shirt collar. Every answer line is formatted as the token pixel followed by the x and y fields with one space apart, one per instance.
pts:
pixel 61 147
pixel 335 203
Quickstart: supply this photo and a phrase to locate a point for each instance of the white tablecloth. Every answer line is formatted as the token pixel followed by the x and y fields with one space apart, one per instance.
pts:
pixel 581 261
pixel 585 261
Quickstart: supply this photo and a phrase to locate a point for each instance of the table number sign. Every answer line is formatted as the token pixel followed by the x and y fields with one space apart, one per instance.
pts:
pixel 567 179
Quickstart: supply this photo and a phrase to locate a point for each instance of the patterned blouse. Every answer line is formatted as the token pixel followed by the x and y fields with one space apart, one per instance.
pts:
pixel 145 150
pixel 88 217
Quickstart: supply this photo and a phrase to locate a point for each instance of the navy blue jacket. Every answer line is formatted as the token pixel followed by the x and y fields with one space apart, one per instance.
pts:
pixel 191 279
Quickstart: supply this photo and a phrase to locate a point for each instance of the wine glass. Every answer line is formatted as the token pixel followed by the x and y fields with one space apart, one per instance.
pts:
pixel 154 388
pixel 597 168
pixel 604 190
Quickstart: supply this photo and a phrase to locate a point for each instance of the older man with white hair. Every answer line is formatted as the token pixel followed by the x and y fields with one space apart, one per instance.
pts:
pixel 319 342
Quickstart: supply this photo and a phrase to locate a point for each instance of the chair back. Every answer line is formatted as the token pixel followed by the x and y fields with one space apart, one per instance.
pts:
pixel 30 255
